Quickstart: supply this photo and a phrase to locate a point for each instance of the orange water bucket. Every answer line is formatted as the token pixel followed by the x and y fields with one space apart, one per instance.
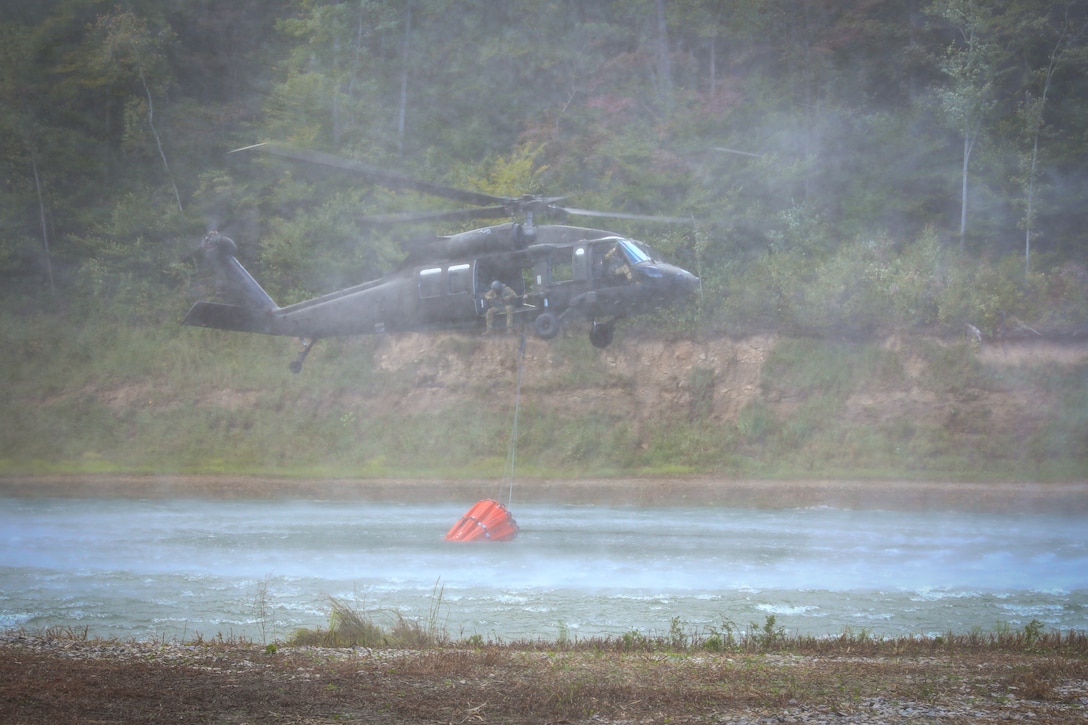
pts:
pixel 488 520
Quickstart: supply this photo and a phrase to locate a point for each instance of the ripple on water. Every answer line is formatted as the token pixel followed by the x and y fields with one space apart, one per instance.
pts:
pixel 129 568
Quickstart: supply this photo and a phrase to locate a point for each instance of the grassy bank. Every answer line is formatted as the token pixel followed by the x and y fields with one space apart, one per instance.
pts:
pixel 84 393
pixel 856 679
pixel 352 626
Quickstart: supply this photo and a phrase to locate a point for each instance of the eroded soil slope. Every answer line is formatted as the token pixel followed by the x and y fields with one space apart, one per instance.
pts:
pixel 644 380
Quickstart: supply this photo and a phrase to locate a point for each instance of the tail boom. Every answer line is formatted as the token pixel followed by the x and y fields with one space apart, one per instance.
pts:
pixel 251 309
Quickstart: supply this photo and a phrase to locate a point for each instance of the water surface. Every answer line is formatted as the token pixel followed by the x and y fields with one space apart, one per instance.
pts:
pixel 177 568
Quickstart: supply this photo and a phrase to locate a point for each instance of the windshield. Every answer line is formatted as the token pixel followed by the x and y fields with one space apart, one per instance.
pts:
pixel 637 252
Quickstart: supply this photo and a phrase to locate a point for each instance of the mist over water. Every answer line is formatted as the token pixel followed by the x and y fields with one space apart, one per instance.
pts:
pixel 261 569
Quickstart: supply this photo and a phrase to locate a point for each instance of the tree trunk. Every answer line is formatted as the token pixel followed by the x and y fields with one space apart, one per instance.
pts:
pixel 41 214
pixel 158 142
pixel 403 112
pixel 664 69
pixel 963 188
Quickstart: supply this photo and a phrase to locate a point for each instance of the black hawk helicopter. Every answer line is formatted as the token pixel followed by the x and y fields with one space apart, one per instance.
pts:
pixel 557 272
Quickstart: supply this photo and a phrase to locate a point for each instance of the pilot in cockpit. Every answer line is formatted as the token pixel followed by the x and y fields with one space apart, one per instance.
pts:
pixel 616 266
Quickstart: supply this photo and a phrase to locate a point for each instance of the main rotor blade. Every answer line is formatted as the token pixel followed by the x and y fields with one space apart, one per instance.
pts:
pixel 495 206
pixel 381 176
pixel 624 215
pixel 489 212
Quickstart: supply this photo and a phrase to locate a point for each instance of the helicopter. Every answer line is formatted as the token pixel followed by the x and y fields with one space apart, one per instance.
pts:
pixel 556 273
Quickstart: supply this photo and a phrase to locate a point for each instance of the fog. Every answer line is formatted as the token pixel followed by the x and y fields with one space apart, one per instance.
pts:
pixel 261 569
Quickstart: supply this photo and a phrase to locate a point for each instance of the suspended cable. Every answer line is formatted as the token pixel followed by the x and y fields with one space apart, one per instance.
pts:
pixel 512 447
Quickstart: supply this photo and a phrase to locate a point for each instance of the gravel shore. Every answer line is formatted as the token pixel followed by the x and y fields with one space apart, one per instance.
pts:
pixel 57 679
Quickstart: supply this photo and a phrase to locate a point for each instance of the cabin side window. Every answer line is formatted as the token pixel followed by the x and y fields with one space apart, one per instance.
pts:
pixel 430 282
pixel 460 279
pixel 562 270
pixel 580 264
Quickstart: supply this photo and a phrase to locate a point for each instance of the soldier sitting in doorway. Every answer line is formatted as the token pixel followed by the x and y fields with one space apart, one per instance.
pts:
pixel 499 295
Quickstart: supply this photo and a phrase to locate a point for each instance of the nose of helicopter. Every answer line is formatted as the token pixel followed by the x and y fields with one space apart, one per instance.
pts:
pixel 685 283
pixel 675 284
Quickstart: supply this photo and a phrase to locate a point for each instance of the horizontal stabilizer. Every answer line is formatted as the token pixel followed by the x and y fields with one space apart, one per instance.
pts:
pixel 226 317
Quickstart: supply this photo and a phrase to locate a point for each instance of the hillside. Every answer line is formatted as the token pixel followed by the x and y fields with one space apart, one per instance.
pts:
pixel 647 380
pixel 199 401
pixel 642 380
pixel 761 404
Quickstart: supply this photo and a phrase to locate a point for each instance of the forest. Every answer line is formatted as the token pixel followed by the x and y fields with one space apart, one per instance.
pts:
pixel 851 169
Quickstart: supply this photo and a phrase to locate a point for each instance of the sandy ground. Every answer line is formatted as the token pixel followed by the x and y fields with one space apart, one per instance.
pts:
pixel 1068 497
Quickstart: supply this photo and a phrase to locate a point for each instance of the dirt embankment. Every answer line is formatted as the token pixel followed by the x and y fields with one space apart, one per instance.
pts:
pixel 643 376
pixel 648 379
pixel 1057 498
pixel 642 381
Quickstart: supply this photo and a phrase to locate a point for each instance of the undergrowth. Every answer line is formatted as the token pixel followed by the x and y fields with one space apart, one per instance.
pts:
pixel 351 627
pixel 93 394
pixel 356 626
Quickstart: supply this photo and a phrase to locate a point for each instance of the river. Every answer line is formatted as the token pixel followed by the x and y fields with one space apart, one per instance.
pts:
pixel 259 569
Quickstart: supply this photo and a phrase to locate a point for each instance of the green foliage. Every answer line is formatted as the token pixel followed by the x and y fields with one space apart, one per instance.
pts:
pixel 1064 434
pixel 983 295
pixel 348 627
pixel 320 248
pixel 635 641
pixel 769 636
pixel 808 367
pixel 811 175
pixel 701 390
pixel 755 422
pixel 589 442
pixel 584 364
pixel 953 369
pixel 89 391
pixel 134 261
pixel 509 175
pixel 819 155
pixel 351 626
pixel 867 288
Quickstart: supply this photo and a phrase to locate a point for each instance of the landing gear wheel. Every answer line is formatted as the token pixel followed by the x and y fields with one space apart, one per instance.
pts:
pixel 601 334
pixel 307 345
pixel 546 326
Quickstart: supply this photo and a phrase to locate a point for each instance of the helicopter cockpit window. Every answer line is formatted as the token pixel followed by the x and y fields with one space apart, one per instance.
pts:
pixel 460 279
pixel 615 258
pixel 635 252
pixel 430 282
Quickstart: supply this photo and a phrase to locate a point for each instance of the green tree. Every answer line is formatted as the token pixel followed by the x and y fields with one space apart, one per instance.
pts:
pixel 331 93
pixel 126 49
pixel 1060 32
pixel 19 152
pixel 968 100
